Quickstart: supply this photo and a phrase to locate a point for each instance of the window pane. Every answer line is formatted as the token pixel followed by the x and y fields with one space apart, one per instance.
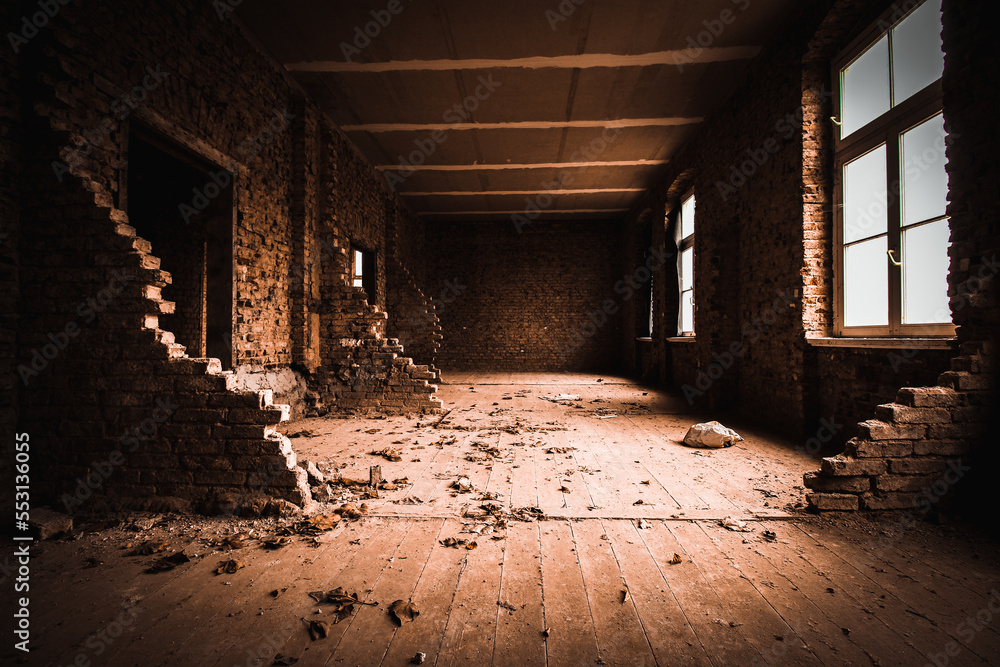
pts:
pixel 687 311
pixel 925 274
pixel 357 263
pixel 358 283
pixel 866 284
pixel 917 56
pixel 865 88
pixel 865 198
pixel 687 217
pixel 687 269
pixel 925 180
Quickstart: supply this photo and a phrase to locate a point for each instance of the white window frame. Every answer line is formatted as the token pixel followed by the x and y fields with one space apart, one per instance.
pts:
pixel 683 244
pixel 887 129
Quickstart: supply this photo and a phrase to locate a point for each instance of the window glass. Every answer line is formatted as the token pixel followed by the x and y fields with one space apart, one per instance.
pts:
pixel 687 217
pixel 925 274
pixel 866 293
pixel 917 56
pixel 865 199
pixel 865 88
pixel 687 311
pixel 925 179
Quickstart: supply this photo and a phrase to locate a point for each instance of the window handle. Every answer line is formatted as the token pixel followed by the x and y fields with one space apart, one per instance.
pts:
pixel 892 259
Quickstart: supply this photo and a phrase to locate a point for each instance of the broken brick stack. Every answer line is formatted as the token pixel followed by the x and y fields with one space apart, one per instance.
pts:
pixel 914 454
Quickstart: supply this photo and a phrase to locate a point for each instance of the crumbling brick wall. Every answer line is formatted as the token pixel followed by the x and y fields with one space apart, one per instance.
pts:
pixel 412 316
pixel 931 439
pixel 114 393
pixel 531 299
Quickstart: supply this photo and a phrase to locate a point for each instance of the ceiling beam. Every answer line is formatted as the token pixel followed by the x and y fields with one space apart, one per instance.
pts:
pixel 521 125
pixel 471 193
pixel 521 212
pixel 677 57
pixel 530 165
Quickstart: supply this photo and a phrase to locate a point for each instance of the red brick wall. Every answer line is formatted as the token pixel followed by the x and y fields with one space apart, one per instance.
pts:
pixel 527 295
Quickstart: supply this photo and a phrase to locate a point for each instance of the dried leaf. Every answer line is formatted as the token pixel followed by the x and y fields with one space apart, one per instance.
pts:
pixel 389 454
pixel 646 481
pixel 318 630
pixel 168 562
pixel 676 560
pixel 277 542
pixel 229 567
pixel 625 596
pixel 149 548
pixel 325 521
pixel 403 611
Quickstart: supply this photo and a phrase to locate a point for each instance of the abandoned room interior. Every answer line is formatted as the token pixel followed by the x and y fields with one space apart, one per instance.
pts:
pixel 383 333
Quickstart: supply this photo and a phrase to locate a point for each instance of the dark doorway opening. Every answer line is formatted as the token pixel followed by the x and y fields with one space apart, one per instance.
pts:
pixel 183 205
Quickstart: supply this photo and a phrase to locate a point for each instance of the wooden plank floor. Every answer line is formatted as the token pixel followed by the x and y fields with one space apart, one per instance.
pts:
pixel 626 565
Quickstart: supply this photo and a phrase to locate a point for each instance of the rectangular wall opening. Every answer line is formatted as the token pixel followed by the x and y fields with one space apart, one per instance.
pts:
pixel 183 205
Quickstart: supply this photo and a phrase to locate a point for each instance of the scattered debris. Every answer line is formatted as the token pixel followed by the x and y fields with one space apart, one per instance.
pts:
pixel 458 542
pixel 403 612
pixel 767 493
pixel 506 605
pixel 304 433
pixel 736 525
pixel 318 629
pixel 284 660
pixel 389 454
pixel 561 398
pixel 343 603
pixel 712 435
pixel 625 596
pixel 229 567
pixel 168 563
pixel 560 450
pixel 45 523
pixel 770 535
pixel 277 543
pixel 462 484
pixel 92 563
pixel 643 524
pixel 418 659
pixel 676 560
pixel 149 548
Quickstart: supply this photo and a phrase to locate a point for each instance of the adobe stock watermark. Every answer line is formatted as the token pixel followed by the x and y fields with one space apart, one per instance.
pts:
pixel 923 502
pixel 828 429
pixel 420 322
pixel 87 311
pixel 656 258
pixel 714 28
pixel 960 298
pixel 33 23
pixel 120 110
pixel 132 438
pixel 533 206
pixel 426 147
pixel 562 12
pixel 967 631
pixel 751 333
pixel 785 129
pixel 363 35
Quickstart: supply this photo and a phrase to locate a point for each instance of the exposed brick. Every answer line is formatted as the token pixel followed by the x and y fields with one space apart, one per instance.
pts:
pixel 816 482
pixel 843 466
pixel 832 501
pixel 901 414
pixel 875 429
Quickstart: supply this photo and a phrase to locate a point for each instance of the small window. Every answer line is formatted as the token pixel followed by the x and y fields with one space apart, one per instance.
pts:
pixel 892 230
pixel 684 236
pixel 363 271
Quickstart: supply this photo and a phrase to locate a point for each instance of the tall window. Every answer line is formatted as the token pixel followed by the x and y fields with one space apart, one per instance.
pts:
pixel 684 235
pixel 363 271
pixel 892 231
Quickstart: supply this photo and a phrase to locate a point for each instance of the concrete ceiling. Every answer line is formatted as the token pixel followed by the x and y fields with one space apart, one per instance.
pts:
pixel 573 106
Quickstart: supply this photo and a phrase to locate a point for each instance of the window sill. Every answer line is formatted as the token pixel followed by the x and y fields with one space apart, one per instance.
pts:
pixel 644 339
pixel 681 339
pixel 886 343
